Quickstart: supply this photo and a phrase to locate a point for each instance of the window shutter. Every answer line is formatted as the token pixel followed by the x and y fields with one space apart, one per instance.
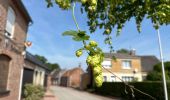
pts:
pixel 10 22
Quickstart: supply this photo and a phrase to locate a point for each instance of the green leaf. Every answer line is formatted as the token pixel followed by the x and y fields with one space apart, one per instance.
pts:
pixel 86 37
pixel 49 3
pixel 81 33
pixel 77 38
pixel 70 33
pixel 77 35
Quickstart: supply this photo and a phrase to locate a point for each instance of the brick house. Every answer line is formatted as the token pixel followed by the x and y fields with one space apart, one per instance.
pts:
pixel 72 78
pixel 16 68
pixel 128 67
pixel 14 22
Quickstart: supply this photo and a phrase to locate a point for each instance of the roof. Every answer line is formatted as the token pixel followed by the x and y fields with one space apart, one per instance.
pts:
pixel 71 71
pixel 57 73
pixel 121 56
pixel 20 4
pixel 148 63
pixel 34 60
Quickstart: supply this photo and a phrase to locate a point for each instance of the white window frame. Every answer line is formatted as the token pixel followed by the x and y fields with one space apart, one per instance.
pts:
pixel 107 65
pixel 10 22
pixel 127 78
pixel 112 78
pixel 124 66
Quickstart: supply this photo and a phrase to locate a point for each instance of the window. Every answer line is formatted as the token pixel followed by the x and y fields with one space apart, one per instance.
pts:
pixel 113 79
pixel 127 78
pixel 105 78
pixel 36 77
pixel 107 64
pixel 126 64
pixel 10 22
pixel 4 70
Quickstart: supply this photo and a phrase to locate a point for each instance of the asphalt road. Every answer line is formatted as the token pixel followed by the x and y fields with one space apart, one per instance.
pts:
pixel 63 93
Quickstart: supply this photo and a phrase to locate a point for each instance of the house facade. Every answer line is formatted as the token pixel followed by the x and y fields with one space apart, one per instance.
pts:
pixel 72 77
pixel 14 22
pixel 128 67
pixel 35 72
pixel 16 68
pixel 56 76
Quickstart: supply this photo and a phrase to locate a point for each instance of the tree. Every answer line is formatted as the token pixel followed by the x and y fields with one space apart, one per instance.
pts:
pixel 41 58
pixel 156 74
pixel 51 66
pixel 107 14
pixel 123 51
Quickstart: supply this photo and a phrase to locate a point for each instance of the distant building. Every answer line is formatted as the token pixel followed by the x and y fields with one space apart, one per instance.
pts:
pixel 56 76
pixel 129 67
pixel 72 78
pixel 35 72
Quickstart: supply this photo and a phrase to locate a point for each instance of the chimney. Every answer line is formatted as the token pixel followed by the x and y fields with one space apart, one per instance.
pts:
pixel 133 52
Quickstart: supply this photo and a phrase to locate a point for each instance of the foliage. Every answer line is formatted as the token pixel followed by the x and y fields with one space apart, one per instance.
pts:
pixel 51 66
pixel 32 92
pixel 41 58
pixel 110 13
pixel 158 67
pixel 123 51
pixel 95 54
pixel 107 14
pixel 77 35
pixel 156 74
pixel 118 89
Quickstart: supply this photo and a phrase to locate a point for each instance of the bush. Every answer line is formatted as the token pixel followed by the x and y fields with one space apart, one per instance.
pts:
pixel 33 92
pixel 156 74
pixel 117 89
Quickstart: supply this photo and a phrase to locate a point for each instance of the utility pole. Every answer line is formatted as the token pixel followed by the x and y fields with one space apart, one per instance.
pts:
pixel 163 68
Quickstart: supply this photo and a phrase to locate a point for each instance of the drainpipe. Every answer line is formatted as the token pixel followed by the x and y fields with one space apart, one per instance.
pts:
pixel 21 77
pixel 20 85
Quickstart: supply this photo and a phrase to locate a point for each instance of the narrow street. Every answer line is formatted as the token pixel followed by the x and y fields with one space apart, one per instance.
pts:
pixel 63 93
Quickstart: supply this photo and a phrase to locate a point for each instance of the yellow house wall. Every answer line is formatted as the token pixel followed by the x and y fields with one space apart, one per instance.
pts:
pixel 118 69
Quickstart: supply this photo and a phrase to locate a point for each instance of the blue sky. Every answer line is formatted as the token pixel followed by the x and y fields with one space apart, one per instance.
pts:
pixel 49 24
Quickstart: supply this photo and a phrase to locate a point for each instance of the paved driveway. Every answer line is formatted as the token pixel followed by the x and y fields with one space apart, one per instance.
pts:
pixel 63 93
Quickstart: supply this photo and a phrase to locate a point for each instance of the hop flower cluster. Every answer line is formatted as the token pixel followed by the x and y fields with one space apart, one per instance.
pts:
pixel 95 62
pixel 92 4
pixel 64 4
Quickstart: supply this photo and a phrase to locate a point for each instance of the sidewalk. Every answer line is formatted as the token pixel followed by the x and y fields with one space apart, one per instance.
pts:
pixel 49 96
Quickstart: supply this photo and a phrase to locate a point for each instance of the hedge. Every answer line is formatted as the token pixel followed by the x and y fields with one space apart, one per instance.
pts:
pixel 117 89
pixel 33 92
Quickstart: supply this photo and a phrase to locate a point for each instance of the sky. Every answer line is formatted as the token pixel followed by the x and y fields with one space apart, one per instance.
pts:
pixel 49 24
